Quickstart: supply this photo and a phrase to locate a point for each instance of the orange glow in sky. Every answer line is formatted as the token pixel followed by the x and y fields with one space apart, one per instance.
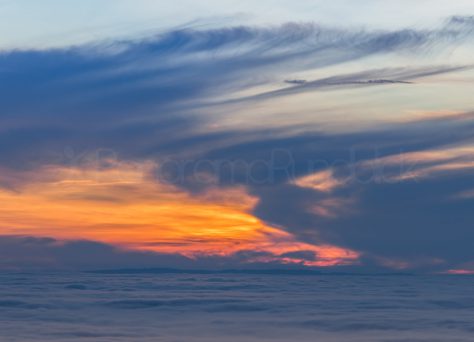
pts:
pixel 121 205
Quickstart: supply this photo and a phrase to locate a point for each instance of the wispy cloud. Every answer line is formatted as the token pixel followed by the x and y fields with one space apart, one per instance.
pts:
pixel 155 101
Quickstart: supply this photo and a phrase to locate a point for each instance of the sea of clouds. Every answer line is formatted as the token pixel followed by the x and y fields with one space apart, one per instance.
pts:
pixel 234 307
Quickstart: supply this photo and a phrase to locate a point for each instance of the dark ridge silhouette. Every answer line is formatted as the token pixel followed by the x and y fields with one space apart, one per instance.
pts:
pixel 310 272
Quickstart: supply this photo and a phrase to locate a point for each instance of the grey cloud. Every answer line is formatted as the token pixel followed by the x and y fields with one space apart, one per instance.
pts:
pixel 366 78
pixel 416 220
pixel 137 97
pixel 148 100
pixel 26 253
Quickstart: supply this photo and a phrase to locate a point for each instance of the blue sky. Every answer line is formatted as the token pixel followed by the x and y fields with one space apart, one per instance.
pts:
pixel 31 23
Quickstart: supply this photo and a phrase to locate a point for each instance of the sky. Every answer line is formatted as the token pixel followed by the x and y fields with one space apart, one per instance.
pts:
pixel 233 134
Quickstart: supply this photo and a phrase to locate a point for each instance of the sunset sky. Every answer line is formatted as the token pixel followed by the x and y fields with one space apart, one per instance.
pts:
pixel 237 134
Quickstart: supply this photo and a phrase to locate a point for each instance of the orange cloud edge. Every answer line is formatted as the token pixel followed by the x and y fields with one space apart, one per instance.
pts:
pixel 120 204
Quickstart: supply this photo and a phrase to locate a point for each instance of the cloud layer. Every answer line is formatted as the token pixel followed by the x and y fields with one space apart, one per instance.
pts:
pixel 210 109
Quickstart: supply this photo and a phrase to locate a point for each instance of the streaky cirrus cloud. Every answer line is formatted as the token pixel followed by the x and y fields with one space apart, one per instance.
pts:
pixel 174 101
